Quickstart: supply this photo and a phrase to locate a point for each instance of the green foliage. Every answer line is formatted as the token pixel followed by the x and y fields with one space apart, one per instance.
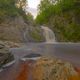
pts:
pixel 21 4
pixel 7 8
pixel 66 4
pixel 10 9
pixel 35 34
pixel 63 17
pixel 46 10
pixel 30 18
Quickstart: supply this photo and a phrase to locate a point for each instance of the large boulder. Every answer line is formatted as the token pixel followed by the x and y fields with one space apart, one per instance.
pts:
pixel 5 56
pixel 47 68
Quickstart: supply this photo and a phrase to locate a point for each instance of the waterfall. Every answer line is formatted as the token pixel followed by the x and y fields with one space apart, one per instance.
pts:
pixel 49 34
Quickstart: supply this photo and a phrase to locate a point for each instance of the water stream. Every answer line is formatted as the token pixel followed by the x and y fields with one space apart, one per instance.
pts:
pixel 49 34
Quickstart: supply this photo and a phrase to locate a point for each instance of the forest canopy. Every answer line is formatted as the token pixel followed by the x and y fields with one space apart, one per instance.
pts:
pixel 63 17
pixel 14 8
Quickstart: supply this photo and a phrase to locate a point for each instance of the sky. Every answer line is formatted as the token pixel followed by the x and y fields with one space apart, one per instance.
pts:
pixel 32 4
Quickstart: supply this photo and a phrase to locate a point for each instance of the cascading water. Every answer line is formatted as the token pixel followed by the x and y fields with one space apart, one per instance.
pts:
pixel 49 34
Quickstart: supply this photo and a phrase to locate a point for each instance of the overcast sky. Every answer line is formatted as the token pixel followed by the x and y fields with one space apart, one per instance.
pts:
pixel 32 4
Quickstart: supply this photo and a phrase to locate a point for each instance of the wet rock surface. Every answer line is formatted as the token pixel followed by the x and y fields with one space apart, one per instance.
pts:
pixel 65 52
pixel 54 69
pixel 5 55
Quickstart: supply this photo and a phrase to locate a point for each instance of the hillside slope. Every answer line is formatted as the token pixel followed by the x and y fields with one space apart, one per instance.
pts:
pixel 16 25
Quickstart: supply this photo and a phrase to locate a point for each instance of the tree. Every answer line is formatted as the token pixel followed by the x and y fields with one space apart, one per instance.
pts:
pixel 63 16
pixel 21 4
pixel 7 9
pixel 44 4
